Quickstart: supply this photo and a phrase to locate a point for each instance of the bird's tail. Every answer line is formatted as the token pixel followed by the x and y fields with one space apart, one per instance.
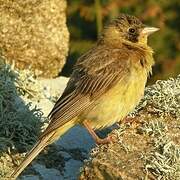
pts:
pixel 39 146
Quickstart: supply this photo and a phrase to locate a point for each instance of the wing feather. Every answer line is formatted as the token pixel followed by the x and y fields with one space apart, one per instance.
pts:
pixel 87 84
pixel 62 117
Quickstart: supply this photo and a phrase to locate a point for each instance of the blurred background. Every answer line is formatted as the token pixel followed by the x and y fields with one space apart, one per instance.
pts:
pixel 85 20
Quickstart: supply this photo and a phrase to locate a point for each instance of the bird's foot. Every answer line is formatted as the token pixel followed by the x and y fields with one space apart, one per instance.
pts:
pixel 106 140
pixel 97 139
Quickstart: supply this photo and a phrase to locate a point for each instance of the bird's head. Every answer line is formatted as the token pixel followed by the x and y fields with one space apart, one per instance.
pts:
pixel 127 29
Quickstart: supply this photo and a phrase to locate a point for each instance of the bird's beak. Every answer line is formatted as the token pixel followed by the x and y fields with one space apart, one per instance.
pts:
pixel 149 30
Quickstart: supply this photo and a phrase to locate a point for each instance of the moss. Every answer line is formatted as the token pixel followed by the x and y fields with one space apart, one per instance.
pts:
pixel 164 97
pixel 164 159
pixel 154 128
pixel 20 123
pixel 28 85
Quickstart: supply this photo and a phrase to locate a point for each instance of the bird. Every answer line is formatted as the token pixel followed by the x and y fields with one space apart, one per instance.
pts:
pixel 106 84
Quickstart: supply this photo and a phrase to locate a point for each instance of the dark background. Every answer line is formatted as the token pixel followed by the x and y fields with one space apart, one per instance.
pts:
pixel 85 19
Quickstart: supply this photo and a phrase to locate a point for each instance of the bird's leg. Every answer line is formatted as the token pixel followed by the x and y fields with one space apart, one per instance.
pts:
pixel 97 139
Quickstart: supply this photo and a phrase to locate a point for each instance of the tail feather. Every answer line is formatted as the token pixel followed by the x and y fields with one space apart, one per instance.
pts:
pixel 41 144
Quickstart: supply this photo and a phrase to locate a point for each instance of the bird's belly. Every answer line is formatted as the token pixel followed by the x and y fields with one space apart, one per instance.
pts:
pixel 116 103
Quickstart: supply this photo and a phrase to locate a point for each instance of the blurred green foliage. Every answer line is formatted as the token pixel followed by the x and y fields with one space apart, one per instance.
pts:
pixel 85 19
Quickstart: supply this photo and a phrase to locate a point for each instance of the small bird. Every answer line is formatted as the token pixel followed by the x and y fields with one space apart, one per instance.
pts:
pixel 106 84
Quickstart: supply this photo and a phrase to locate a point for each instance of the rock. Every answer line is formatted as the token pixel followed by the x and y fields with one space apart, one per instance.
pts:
pixel 47 173
pixel 34 35
pixel 77 138
pixel 41 92
pixel 53 87
pixel 30 178
pixel 72 169
pixel 138 154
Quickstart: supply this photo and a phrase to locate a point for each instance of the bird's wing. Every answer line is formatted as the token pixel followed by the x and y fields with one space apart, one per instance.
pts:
pixel 94 74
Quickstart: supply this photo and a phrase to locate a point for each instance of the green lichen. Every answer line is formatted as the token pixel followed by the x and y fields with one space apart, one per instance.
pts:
pixel 153 128
pixel 20 123
pixel 164 97
pixel 164 160
pixel 28 85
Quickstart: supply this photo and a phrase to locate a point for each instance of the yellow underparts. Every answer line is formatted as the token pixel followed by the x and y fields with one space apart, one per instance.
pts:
pixel 118 101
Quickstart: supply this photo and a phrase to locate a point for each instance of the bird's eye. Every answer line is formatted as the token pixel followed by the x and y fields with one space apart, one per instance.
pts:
pixel 132 30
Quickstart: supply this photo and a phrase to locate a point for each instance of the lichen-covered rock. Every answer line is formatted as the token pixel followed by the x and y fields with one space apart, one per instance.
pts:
pixel 33 34
pixel 20 123
pixel 24 103
pixel 148 148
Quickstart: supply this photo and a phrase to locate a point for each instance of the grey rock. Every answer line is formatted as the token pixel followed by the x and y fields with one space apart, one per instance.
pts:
pixel 77 137
pixel 49 90
pixel 29 177
pixel 72 169
pixel 47 173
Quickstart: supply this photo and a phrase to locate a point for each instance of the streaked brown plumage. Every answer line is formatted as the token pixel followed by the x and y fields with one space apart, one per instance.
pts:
pixel 106 84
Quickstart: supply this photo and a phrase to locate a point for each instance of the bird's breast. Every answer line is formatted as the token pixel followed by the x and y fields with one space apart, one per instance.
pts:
pixel 118 101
